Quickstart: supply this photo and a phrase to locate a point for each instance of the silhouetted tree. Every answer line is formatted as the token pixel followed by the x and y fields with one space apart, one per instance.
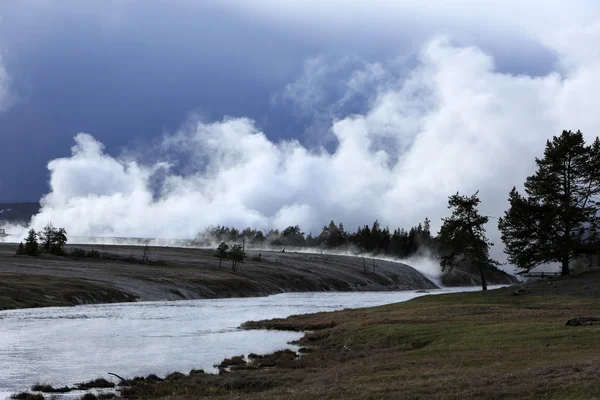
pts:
pixel 427 230
pixel 463 235
pixel 311 241
pixel 21 249
pixel 331 236
pixel 222 252
pixel 258 238
pixel 385 239
pixel 31 244
pixel 557 220
pixel 237 255
pixel 293 236
pixel 53 239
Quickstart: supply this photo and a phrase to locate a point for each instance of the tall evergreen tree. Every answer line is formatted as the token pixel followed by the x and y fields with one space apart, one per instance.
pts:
pixel 31 244
pixel 557 220
pixel 427 229
pixel 462 236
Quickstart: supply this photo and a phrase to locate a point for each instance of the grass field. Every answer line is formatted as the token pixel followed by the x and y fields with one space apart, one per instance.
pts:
pixel 491 345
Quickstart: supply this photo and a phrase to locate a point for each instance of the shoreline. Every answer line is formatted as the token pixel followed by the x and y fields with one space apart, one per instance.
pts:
pixel 130 273
pixel 265 359
pixel 516 346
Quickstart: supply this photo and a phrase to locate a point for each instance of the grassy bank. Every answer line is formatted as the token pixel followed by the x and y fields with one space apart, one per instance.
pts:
pixel 460 346
pixel 30 290
pixel 157 273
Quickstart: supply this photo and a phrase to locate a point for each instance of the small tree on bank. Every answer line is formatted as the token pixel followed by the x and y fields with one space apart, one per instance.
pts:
pixel 53 239
pixel 237 255
pixel 557 220
pixel 222 252
pixel 31 244
pixel 462 236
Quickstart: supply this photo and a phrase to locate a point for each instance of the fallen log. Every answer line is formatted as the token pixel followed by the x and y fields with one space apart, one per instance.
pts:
pixel 582 321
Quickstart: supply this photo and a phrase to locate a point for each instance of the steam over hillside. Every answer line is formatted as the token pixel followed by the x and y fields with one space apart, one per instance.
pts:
pixel 453 123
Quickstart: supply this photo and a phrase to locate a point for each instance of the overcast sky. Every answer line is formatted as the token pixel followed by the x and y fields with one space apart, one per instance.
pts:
pixel 158 118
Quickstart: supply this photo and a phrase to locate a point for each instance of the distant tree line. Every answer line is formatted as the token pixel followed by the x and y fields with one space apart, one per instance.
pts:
pixel 372 239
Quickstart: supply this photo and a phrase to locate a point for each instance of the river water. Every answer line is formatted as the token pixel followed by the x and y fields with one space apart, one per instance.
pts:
pixel 64 346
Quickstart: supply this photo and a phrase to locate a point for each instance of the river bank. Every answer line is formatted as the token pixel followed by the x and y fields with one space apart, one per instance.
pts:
pixel 467 345
pixel 136 273
pixel 137 339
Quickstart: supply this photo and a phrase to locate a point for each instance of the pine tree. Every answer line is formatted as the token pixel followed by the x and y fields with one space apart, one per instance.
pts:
pixel 386 238
pixel 222 252
pixel 462 236
pixel 427 229
pixel 53 239
pixel 557 220
pixel 59 240
pixel 46 236
pixel 31 244
pixel 21 249
pixel 237 255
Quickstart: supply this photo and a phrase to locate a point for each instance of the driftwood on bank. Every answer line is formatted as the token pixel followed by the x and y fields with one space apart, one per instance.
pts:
pixel 123 380
pixel 582 321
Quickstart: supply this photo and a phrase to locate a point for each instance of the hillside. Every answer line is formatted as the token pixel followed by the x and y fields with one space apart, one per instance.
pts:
pixel 180 273
pixel 468 274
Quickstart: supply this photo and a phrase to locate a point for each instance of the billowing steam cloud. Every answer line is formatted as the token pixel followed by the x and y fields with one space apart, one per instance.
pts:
pixel 454 124
pixel 5 99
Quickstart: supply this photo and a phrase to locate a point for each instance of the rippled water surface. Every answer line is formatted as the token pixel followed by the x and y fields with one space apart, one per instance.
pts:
pixel 63 346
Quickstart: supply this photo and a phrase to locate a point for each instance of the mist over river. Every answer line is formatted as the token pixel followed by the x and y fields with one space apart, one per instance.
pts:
pixel 64 346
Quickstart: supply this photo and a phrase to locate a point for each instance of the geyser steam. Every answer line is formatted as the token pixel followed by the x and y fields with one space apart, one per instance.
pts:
pixel 455 124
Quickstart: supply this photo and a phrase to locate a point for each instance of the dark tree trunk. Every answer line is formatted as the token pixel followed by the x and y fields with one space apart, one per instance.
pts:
pixel 565 265
pixel 483 282
pixel 220 261
pixel 479 260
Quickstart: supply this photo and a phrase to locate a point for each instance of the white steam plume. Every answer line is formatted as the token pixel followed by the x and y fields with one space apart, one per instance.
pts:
pixel 455 124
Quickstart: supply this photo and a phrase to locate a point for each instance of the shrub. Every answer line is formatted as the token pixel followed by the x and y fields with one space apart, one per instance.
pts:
pixel 27 396
pixel 93 254
pixel 81 253
pixel 96 383
pixel 50 389
pixel 78 253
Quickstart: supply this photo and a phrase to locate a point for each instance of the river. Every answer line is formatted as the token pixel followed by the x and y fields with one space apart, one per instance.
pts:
pixel 64 346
